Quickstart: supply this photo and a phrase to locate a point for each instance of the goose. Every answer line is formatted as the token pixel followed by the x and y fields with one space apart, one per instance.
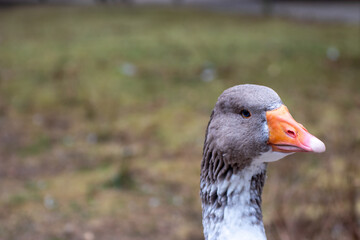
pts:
pixel 248 128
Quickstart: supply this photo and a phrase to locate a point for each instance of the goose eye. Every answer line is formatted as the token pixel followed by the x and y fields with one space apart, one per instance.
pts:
pixel 245 113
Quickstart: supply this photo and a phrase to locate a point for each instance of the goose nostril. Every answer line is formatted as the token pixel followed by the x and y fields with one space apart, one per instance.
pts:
pixel 291 133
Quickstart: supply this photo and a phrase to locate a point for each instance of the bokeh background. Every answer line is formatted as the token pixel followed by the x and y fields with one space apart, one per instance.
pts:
pixel 104 105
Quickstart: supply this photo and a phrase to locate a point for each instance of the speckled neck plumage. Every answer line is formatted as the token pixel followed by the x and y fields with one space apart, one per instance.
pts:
pixel 231 197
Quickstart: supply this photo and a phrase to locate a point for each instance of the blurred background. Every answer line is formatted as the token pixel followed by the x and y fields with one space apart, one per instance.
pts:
pixel 104 105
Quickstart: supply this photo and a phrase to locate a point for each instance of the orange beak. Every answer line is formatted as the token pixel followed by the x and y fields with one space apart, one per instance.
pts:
pixel 286 135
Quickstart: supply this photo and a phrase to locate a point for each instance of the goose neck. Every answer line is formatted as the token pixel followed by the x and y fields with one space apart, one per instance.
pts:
pixel 232 205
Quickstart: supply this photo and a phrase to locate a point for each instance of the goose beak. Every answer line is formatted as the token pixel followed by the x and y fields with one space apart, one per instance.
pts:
pixel 286 135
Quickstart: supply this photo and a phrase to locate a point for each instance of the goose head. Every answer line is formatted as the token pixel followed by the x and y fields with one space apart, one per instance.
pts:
pixel 249 127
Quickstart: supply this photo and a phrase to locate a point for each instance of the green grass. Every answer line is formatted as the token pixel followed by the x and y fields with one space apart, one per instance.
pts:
pixel 104 111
